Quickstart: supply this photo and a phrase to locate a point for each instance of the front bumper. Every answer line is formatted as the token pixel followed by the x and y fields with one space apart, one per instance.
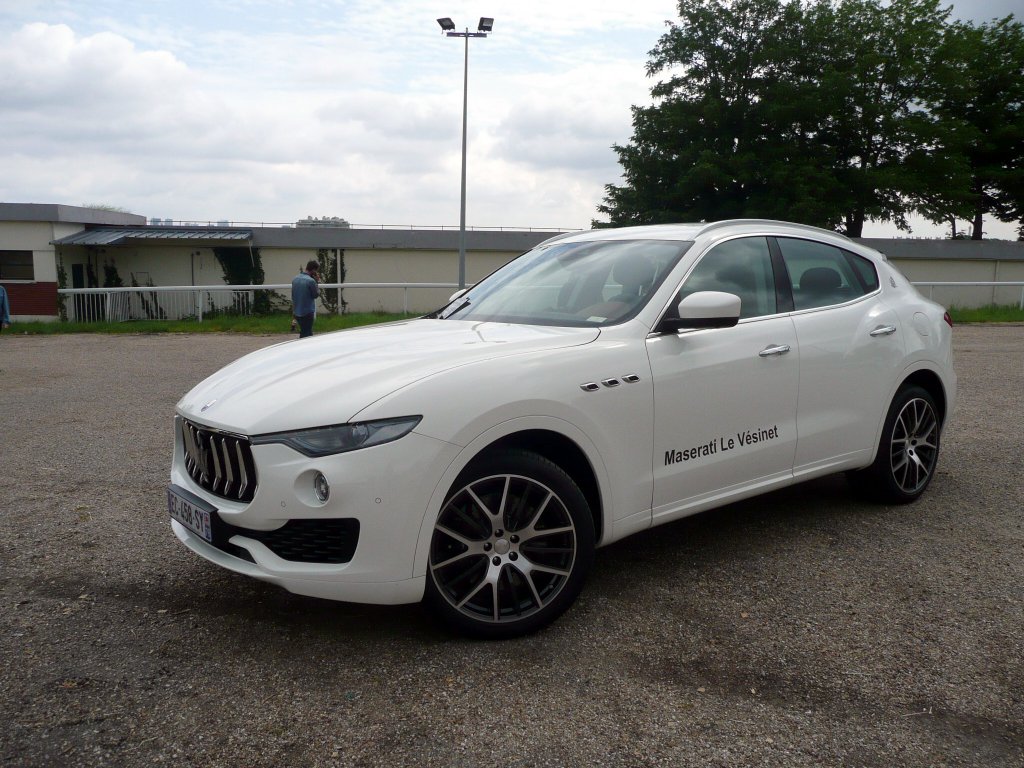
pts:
pixel 384 488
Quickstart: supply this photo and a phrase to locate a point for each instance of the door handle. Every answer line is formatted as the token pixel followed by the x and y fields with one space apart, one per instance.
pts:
pixel 776 349
pixel 884 330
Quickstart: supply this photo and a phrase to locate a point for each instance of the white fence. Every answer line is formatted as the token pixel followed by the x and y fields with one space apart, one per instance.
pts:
pixel 183 302
pixel 187 302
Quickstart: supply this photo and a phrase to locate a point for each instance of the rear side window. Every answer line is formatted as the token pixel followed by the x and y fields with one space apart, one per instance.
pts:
pixel 864 269
pixel 823 275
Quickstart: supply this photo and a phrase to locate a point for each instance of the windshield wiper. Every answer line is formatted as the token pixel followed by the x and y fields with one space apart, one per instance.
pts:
pixel 459 308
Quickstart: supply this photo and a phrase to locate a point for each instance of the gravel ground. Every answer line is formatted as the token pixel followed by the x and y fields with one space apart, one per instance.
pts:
pixel 804 628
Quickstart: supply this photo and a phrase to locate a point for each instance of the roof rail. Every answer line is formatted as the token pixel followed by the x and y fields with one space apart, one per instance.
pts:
pixel 774 222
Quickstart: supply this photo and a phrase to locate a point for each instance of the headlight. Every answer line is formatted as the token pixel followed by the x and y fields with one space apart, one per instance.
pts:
pixel 324 441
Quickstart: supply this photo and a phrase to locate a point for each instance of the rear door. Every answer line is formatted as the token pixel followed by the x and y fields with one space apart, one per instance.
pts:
pixel 851 348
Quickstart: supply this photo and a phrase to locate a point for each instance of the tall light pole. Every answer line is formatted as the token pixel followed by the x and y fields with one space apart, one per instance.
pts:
pixel 485 26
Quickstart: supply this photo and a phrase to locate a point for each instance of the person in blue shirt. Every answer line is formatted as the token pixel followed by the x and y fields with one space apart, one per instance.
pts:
pixel 305 290
pixel 5 309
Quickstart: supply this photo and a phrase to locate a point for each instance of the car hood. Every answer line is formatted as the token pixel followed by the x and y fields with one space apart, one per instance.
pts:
pixel 329 378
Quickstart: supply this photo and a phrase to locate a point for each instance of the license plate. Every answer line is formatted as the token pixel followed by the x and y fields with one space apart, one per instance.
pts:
pixel 191 512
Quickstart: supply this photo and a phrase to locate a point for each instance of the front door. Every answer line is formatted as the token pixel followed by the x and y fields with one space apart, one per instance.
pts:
pixel 725 399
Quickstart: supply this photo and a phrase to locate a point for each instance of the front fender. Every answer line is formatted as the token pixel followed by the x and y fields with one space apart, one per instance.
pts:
pixel 481 443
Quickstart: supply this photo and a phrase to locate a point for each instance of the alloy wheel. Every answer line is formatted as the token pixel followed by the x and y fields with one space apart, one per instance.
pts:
pixel 914 445
pixel 503 548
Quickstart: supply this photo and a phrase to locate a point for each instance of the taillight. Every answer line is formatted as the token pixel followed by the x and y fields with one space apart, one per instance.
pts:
pixel 948 319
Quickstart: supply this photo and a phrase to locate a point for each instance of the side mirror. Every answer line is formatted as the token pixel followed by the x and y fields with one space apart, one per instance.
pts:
pixel 456 295
pixel 704 309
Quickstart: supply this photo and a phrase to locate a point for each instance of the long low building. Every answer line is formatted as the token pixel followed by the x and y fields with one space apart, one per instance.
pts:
pixel 43 247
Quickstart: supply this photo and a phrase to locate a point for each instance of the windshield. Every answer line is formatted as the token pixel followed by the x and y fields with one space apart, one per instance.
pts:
pixel 571 284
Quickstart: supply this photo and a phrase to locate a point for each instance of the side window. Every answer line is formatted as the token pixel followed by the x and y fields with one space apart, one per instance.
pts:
pixel 865 271
pixel 742 267
pixel 823 275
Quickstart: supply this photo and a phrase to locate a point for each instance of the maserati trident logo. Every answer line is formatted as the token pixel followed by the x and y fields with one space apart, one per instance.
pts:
pixel 203 409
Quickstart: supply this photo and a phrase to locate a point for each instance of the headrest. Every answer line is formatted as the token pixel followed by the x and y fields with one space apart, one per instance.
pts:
pixel 635 272
pixel 820 279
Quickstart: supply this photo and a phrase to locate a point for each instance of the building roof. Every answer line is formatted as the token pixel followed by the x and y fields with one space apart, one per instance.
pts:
pixel 313 237
pixel 67 214
pixel 121 235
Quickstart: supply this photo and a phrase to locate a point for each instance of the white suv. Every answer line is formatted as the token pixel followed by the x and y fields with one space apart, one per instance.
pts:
pixel 600 384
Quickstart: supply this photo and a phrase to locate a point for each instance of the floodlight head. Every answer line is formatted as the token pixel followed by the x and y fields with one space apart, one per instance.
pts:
pixel 447 25
pixel 486 24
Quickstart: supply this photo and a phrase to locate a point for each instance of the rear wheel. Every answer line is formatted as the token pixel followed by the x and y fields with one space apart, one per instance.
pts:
pixel 511 547
pixel 908 452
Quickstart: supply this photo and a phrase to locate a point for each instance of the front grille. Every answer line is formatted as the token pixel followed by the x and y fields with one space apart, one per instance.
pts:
pixel 300 541
pixel 219 461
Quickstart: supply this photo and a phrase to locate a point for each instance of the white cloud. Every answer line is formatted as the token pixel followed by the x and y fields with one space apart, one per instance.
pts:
pixel 264 110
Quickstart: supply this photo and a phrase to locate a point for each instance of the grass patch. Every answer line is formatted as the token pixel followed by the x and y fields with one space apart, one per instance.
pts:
pixel 267 324
pixel 991 314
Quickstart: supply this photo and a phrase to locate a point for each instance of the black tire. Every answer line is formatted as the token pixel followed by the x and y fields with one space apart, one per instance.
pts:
pixel 908 452
pixel 511 547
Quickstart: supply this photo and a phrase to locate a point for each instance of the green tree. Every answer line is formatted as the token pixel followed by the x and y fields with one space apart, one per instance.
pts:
pixel 332 260
pixel 695 153
pixel 244 266
pixel 878 84
pixel 982 117
pixel 807 112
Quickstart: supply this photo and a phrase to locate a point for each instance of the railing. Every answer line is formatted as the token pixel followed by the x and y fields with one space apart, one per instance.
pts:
pixel 994 284
pixel 400 227
pixel 181 302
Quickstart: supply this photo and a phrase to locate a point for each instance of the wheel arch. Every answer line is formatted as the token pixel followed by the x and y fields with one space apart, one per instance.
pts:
pixel 929 381
pixel 565 453
pixel 556 440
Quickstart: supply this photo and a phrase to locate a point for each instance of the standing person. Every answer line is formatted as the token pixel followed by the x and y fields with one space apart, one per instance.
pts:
pixel 5 309
pixel 305 290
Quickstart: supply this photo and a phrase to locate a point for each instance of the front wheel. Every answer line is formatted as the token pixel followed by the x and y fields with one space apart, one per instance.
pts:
pixel 908 452
pixel 511 547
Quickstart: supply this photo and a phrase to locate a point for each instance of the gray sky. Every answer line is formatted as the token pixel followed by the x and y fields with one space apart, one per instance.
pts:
pixel 261 110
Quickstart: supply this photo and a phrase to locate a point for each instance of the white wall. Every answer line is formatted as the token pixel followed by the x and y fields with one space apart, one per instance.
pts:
pixel 35 236
pixel 186 265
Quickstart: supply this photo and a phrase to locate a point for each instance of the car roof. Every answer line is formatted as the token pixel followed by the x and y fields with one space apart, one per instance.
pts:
pixel 689 232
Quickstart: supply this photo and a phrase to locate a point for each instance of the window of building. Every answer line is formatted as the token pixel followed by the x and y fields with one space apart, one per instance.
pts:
pixel 16 265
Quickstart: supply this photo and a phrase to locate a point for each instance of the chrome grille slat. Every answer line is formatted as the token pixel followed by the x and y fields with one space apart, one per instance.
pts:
pixel 244 476
pixel 229 473
pixel 218 474
pixel 218 461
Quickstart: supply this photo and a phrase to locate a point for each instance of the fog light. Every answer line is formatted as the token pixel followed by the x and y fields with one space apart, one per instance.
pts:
pixel 321 487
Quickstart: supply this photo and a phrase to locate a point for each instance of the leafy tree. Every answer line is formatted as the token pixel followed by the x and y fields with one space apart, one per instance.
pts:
pixel 244 266
pixel 333 299
pixel 982 116
pixel 878 80
pixel 111 278
pixel 806 112
pixel 695 154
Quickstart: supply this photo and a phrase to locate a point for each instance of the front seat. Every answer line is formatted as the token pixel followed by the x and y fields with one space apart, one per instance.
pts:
pixel 635 276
